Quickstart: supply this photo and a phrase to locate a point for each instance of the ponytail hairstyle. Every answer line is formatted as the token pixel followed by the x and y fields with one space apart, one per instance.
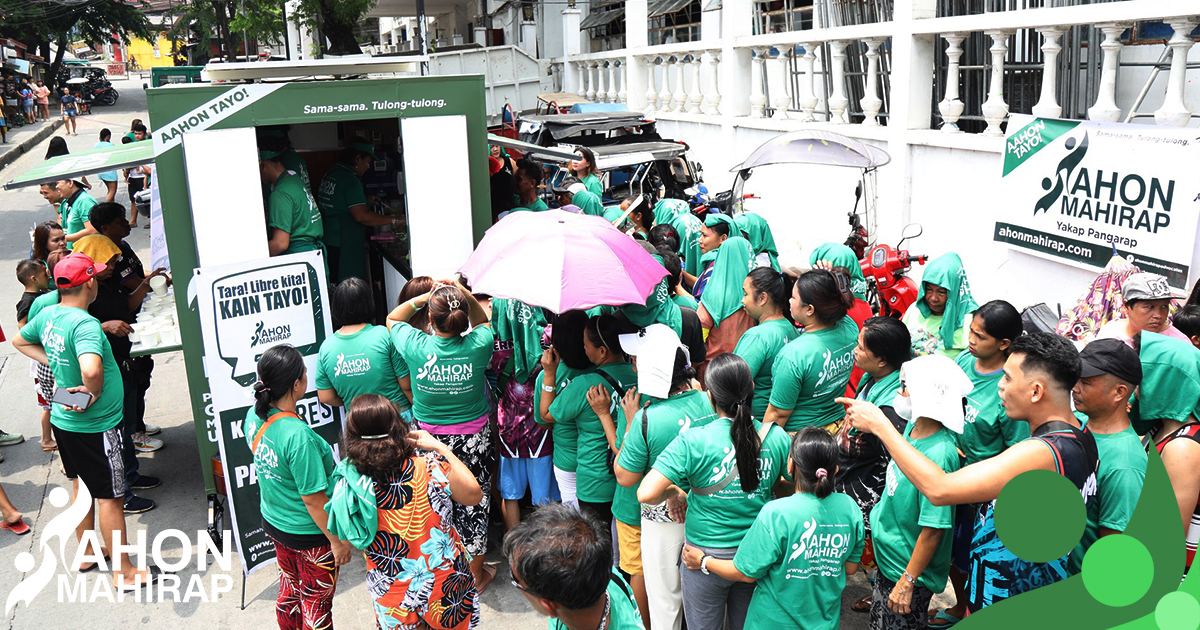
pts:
pixel 417 287
pixel 842 276
pixel 673 266
pixel 767 280
pixel 643 211
pixel 566 335
pixel 664 235
pixel 819 289
pixel 815 458
pixel 278 370
pixel 682 373
pixel 604 331
pixel 448 310
pixel 731 386
pixel 376 439
pixel 1001 320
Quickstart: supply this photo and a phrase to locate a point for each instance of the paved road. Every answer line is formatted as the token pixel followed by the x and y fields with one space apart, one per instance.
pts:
pixel 29 474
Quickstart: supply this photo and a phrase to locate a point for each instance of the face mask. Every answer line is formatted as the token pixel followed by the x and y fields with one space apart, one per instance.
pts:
pixel 903 407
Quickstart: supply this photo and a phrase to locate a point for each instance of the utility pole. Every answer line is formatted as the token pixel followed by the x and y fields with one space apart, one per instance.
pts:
pixel 422 42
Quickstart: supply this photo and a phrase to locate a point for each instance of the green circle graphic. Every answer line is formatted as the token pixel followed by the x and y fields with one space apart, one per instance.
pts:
pixel 1177 611
pixel 1118 570
pixel 1040 516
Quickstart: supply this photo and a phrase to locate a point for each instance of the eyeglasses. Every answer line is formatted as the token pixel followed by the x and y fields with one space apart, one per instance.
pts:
pixel 518 584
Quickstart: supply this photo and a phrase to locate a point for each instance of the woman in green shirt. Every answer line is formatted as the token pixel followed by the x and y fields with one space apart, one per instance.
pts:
pixel 940 319
pixel 813 370
pixel 595 484
pixel 562 362
pixel 729 466
pixel 360 357
pixel 450 395
pixel 293 464
pixel 764 297
pixel 585 169
pixel 800 573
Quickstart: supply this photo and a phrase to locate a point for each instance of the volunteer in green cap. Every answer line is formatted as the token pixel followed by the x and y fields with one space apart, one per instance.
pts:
pixel 291 210
pixel 762 241
pixel 940 319
pixel 838 255
pixel 717 227
pixel 722 318
pixel 526 181
pixel 344 211
pixel 276 138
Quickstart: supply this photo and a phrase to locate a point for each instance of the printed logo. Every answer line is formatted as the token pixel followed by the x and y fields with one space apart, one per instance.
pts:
pixel 89 588
pixel 355 366
pixel 799 548
pixel 833 368
pixel 893 482
pixel 427 369
pixel 265 336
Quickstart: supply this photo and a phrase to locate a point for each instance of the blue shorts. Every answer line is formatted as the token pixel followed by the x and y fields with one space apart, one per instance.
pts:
pixel 535 474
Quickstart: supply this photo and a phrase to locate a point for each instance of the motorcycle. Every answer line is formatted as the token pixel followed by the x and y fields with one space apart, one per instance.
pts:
pixel 889 289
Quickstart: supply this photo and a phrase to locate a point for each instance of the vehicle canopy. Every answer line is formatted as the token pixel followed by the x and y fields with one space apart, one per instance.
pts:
pixel 546 130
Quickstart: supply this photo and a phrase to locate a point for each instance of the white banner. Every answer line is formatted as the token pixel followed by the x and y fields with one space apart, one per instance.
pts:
pixel 1079 190
pixel 210 113
pixel 158 238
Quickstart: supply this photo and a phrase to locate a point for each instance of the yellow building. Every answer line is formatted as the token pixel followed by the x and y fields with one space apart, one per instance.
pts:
pixel 150 54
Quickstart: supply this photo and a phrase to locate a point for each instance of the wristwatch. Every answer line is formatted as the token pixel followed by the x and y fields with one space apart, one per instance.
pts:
pixel 908 576
pixel 704 565
pixel 549 389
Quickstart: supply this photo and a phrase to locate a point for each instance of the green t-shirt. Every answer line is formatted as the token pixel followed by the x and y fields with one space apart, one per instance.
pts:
pixel 902 511
pixel 68 333
pixel 537 206
pixel 811 372
pixel 684 300
pixel 77 213
pixel 592 183
pixel 340 189
pixel 1119 486
pixel 293 210
pixel 1170 388
pixel 564 432
pixel 363 362
pixel 594 480
pixel 42 301
pixel 296 164
pixel 623 611
pixel 987 430
pixel 291 462
pixel 797 549
pixel 666 419
pixel 759 346
pixel 449 387
pixel 703 456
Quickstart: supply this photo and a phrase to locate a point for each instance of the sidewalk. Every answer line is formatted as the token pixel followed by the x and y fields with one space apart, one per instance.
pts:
pixel 24 138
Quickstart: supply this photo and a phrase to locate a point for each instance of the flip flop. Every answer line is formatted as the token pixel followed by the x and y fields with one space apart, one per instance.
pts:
pixel 862 605
pixel 50 448
pixel 19 528
pixel 942 615
pixel 107 561
pixel 153 574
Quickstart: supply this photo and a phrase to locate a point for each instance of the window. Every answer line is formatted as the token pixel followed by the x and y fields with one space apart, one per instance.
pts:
pixel 782 16
pixel 606 23
pixel 674 21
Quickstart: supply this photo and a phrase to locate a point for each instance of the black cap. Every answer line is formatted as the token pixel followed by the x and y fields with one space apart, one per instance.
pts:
pixel 1111 356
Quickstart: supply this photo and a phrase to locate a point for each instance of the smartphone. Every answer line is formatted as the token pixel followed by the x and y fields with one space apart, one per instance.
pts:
pixel 66 398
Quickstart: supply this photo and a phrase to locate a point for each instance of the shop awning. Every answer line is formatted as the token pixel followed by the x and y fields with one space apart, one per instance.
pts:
pixel 596 19
pixel 86 163
pixel 659 8
pixel 560 155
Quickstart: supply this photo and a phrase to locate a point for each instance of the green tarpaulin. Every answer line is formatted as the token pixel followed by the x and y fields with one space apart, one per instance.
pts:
pixel 86 163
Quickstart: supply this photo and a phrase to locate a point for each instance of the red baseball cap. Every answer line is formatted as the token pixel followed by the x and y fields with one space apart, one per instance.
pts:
pixel 75 270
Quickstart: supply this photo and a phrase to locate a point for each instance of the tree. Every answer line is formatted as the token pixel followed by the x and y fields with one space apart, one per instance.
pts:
pixel 39 23
pixel 263 20
pixel 336 19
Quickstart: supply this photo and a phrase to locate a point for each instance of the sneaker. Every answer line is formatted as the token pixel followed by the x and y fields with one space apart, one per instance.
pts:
pixel 8 439
pixel 138 505
pixel 145 444
pixel 145 482
pixel 152 430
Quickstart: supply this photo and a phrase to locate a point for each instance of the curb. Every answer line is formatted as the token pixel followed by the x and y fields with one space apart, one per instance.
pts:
pixel 25 145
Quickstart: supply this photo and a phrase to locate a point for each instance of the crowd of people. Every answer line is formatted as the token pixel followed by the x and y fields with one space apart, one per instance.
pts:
pixel 723 455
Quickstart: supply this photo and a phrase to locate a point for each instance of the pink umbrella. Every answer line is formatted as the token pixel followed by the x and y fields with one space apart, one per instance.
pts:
pixel 561 261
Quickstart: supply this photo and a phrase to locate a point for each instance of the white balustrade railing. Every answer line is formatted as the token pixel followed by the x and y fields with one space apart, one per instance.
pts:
pixel 840 75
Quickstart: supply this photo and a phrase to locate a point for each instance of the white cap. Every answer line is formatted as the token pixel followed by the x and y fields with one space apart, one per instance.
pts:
pixel 576 188
pixel 937 386
pixel 654 347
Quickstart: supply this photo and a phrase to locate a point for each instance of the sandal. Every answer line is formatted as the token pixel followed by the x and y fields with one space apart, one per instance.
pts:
pixel 153 575
pixel 862 605
pixel 946 618
pixel 53 446
pixel 95 565
pixel 19 528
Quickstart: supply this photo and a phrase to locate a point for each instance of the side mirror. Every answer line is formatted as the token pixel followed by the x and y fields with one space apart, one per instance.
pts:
pixel 912 230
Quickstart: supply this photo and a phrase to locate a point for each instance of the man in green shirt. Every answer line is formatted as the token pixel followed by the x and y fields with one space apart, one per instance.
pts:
pixel 561 562
pixel 75 211
pixel 1111 371
pixel 528 178
pixel 73 344
pixel 292 213
pixel 345 213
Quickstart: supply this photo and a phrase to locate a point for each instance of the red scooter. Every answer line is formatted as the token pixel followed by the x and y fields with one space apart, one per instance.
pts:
pixel 889 290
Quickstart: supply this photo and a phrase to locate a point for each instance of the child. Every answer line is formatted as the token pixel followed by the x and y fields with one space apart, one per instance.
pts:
pixel 1187 321
pixel 34 277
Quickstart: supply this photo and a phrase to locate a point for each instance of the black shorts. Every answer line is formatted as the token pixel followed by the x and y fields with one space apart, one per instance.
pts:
pixel 135 186
pixel 95 459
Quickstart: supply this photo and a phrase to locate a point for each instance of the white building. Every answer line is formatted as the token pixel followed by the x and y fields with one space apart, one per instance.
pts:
pixel 930 81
